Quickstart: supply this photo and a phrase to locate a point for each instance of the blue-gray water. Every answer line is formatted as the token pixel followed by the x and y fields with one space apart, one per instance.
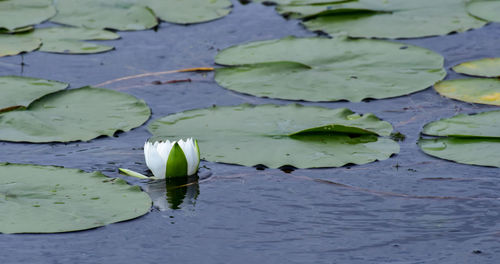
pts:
pixel 411 208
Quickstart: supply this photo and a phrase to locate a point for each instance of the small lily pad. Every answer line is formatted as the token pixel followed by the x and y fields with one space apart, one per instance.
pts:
pixel 189 11
pixel 275 136
pixel 482 91
pixel 321 69
pixel 488 67
pixel 108 14
pixel 18 14
pixel 47 199
pixel 468 139
pixel 15 44
pixel 18 91
pixel 74 115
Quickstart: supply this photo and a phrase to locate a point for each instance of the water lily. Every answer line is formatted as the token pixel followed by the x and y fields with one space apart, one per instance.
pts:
pixel 170 159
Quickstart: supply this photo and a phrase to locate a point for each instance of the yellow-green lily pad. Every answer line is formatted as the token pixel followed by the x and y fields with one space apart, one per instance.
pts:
pixel 19 14
pixel 487 10
pixel 488 67
pixel 15 44
pixel 474 90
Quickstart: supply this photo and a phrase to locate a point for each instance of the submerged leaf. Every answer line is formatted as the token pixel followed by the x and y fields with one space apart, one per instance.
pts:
pixel 46 199
pixel 74 115
pixel 482 91
pixel 22 91
pixel 320 69
pixel 276 136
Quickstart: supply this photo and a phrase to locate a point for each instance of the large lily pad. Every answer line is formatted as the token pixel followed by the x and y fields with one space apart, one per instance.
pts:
pixel 78 114
pixel 320 69
pixel 70 40
pixel 16 44
pixel 469 139
pixel 46 199
pixel 110 14
pixel 20 91
pixel 275 136
pixel 482 91
pixel 386 18
pixel 488 67
pixel 487 10
pixel 16 14
pixel 189 11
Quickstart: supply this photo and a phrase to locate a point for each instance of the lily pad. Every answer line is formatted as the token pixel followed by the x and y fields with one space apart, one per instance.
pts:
pixel 275 136
pixel 70 40
pixel 189 11
pixel 15 44
pixel 47 199
pixel 20 91
pixel 74 115
pixel 468 139
pixel 488 67
pixel 15 14
pixel 386 18
pixel 487 10
pixel 482 91
pixel 110 14
pixel 321 69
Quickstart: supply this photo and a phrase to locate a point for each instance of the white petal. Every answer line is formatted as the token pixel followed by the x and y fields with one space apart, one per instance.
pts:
pixel 164 149
pixel 191 153
pixel 153 160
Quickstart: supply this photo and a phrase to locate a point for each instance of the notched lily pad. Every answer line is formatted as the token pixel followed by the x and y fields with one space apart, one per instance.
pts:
pixel 468 139
pixel 488 67
pixel 109 14
pixel 383 18
pixel 18 91
pixel 47 199
pixel 482 91
pixel 275 136
pixel 74 115
pixel 320 69
pixel 15 44
pixel 16 15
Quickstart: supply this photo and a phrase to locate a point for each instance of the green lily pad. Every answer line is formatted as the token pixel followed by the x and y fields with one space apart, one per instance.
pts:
pixel 488 67
pixel 321 69
pixel 386 18
pixel 20 91
pixel 487 10
pixel 15 14
pixel 468 139
pixel 110 14
pixel 485 124
pixel 47 199
pixel 482 91
pixel 473 151
pixel 189 11
pixel 70 40
pixel 74 115
pixel 275 136
pixel 15 44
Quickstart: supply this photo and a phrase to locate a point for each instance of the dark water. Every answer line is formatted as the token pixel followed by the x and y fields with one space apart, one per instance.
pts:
pixel 411 208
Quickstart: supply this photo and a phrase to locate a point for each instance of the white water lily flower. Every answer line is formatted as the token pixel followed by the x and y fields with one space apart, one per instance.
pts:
pixel 172 159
